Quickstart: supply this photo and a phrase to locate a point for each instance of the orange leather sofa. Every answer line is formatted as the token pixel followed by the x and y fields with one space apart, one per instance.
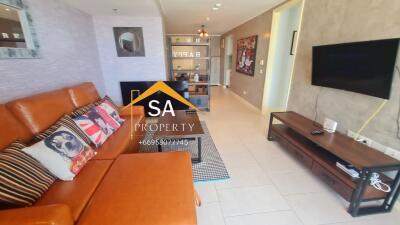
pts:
pixel 116 187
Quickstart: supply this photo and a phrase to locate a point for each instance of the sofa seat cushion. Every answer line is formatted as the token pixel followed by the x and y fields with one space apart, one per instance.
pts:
pixel 120 141
pixel 145 189
pixel 77 193
pixel 40 215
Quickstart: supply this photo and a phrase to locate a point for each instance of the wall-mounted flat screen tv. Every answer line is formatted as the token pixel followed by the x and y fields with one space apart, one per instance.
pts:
pixel 362 67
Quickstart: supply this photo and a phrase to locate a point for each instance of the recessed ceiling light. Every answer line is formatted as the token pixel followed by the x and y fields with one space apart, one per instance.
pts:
pixel 218 5
pixel 7 9
pixel 215 8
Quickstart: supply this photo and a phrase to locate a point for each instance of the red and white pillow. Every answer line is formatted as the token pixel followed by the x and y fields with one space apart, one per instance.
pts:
pixel 112 121
pixel 97 125
pixel 111 110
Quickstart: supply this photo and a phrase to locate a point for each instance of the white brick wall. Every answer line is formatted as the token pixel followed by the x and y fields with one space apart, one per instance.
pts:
pixel 68 53
pixel 116 69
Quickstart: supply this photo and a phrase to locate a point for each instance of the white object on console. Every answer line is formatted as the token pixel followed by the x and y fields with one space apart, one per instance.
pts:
pixel 330 125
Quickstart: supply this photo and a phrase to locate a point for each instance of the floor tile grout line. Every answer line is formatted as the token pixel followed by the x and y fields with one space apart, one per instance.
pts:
pixel 259 213
pixel 255 186
pixel 268 176
pixel 285 199
pixel 220 209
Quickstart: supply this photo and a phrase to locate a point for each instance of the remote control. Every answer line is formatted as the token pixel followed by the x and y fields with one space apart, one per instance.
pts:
pixel 317 132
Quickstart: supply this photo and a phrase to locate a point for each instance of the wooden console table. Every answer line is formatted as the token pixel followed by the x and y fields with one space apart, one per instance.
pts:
pixel 321 152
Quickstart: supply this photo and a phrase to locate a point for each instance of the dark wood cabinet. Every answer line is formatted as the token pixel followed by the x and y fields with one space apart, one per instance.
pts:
pixel 320 153
pixel 333 181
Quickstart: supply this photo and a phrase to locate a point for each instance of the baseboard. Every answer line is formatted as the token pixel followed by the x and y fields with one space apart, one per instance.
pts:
pixel 245 101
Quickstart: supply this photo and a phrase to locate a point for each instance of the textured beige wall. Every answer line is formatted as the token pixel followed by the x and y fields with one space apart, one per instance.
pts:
pixel 337 21
pixel 252 85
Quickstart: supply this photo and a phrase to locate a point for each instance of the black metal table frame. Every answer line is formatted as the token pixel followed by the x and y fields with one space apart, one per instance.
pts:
pixel 355 208
pixel 198 159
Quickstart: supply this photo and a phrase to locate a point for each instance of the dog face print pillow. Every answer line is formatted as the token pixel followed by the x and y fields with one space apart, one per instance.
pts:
pixel 63 153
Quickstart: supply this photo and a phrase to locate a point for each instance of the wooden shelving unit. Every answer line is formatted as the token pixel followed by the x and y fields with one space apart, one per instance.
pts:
pixel 190 57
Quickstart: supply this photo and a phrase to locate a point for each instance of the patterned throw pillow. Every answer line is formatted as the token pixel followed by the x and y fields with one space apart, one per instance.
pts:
pixel 82 110
pixel 109 108
pixel 63 153
pixel 23 180
pixel 94 126
pixel 111 102
pixel 114 124
pixel 65 121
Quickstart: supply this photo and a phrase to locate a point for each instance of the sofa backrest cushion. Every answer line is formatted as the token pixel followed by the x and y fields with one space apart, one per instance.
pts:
pixel 40 111
pixel 11 129
pixel 83 94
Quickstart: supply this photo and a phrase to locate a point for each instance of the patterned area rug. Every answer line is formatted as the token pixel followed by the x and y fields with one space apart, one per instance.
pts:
pixel 210 169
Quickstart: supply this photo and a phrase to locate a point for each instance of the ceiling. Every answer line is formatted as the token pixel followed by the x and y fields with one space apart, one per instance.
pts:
pixel 182 16
pixel 125 7
pixel 186 16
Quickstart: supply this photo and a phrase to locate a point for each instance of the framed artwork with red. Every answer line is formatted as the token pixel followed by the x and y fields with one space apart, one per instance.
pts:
pixel 246 55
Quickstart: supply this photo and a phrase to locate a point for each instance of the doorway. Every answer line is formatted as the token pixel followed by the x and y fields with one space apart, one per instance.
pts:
pixel 228 60
pixel 285 31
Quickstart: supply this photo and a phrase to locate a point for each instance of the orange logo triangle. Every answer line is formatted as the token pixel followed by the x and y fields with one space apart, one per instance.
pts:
pixel 163 87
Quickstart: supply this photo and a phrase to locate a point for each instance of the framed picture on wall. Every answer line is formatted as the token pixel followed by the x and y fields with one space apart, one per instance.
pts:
pixel 246 55
pixel 129 41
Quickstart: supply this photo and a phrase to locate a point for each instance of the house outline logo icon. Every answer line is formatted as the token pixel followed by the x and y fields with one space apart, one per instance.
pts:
pixel 163 87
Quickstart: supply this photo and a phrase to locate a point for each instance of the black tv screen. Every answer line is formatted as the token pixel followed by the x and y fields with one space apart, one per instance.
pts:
pixel 362 67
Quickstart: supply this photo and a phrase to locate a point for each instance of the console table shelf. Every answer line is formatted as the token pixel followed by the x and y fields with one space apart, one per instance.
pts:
pixel 320 154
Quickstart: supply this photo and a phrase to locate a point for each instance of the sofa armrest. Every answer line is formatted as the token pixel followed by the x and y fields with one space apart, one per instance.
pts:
pixel 43 215
pixel 136 110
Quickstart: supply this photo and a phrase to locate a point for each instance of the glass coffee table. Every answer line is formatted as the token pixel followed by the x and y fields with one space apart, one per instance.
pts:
pixel 184 126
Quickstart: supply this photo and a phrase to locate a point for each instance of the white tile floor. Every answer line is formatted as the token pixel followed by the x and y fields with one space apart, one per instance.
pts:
pixel 267 187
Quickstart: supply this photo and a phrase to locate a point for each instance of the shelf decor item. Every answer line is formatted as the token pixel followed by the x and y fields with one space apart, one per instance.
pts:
pixel 246 55
pixel 129 41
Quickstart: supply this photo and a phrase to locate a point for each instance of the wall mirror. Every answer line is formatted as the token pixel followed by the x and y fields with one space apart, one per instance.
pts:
pixel 17 35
